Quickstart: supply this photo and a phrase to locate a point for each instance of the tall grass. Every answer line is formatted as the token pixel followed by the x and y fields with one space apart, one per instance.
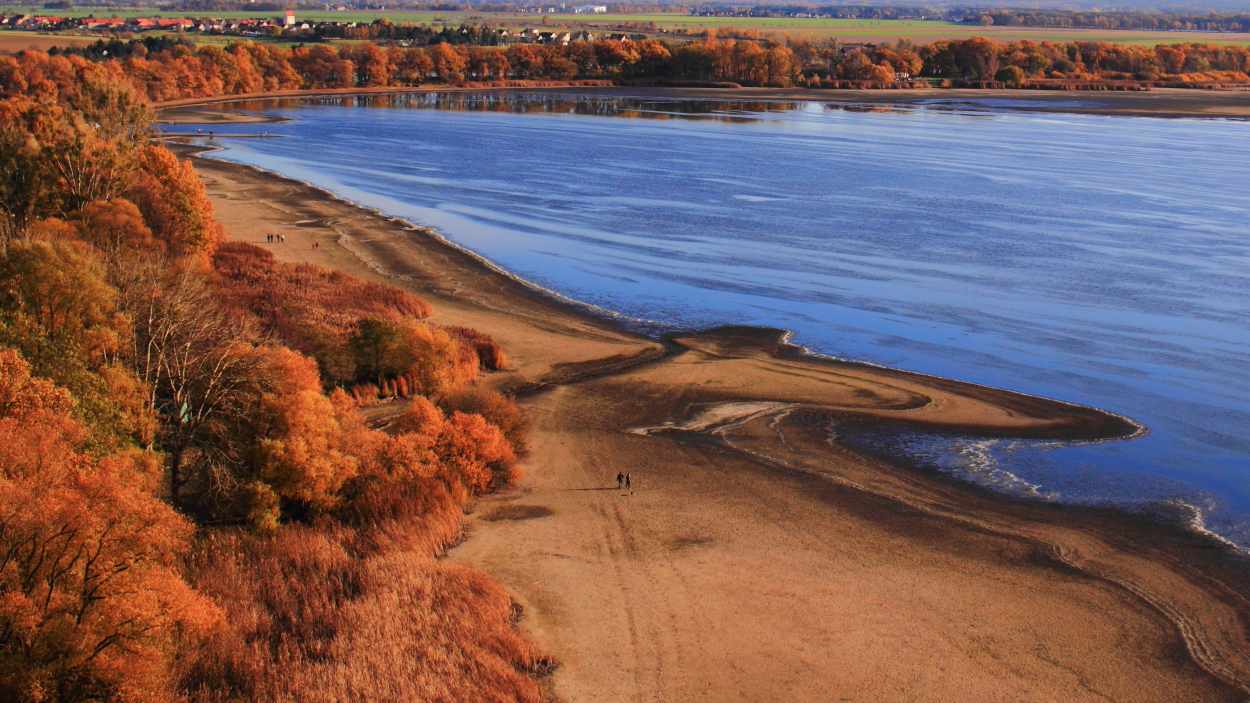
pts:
pixel 359 609
pixel 490 355
pixel 290 298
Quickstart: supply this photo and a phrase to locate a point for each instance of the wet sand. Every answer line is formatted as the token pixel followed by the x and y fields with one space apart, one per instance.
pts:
pixel 756 558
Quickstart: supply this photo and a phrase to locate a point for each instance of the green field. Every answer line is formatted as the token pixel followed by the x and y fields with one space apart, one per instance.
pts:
pixel 846 30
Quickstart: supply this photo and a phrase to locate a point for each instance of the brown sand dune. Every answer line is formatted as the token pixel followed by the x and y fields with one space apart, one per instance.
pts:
pixel 755 557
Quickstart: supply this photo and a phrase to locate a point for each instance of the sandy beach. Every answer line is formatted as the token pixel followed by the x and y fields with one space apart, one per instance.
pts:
pixel 756 558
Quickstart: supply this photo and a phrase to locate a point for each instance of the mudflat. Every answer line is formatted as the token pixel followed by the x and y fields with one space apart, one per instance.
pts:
pixel 754 557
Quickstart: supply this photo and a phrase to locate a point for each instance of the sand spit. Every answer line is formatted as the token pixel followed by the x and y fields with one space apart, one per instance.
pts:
pixel 756 558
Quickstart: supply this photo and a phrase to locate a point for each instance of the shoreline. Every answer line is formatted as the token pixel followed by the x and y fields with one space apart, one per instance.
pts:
pixel 567 357
pixel 1160 102
pixel 778 338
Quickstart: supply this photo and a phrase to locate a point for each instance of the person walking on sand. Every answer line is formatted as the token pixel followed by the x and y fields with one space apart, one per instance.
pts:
pixel 620 479
pixel 627 481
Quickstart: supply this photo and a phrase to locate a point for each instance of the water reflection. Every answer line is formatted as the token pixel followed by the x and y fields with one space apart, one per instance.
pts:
pixel 739 111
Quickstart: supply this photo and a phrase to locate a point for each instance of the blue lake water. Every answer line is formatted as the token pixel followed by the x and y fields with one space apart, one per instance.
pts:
pixel 1098 260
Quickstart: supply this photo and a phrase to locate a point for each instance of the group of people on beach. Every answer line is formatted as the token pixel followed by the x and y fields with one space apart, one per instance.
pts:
pixel 282 238
pixel 623 480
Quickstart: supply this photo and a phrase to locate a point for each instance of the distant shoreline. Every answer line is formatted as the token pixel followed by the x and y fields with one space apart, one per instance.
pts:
pixel 589 382
pixel 1160 102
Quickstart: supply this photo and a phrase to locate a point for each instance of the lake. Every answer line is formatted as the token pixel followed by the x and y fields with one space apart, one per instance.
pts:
pixel 1099 260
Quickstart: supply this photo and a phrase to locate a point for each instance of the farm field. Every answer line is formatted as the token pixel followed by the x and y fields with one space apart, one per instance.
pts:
pixel 12 42
pixel 846 30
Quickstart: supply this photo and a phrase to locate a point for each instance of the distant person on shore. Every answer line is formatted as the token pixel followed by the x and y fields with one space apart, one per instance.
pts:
pixel 620 479
pixel 627 480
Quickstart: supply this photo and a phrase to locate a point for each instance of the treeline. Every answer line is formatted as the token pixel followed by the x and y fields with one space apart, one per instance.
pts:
pixel 979 58
pixel 1166 21
pixel 185 512
pixel 870 12
pixel 413 34
pixel 181 71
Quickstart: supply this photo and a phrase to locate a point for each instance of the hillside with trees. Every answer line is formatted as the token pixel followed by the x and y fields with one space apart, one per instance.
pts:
pixel 192 506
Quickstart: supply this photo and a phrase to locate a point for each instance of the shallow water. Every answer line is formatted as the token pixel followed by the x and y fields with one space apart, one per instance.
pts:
pixel 1099 260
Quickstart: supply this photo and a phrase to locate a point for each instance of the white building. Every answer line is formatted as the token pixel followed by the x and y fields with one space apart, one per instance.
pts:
pixel 590 10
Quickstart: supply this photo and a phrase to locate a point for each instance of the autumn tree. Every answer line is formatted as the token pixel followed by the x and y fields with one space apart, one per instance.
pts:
pixel 497 409
pixel 322 67
pixel 1011 76
pixel 113 227
pixel 203 370
pixel 474 451
pixel 25 186
pixel 173 202
pixel 378 347
pixel 448 63
pixel 371 62
pixel 434 363
pixel 300 451
pixel 411 66
pixel 92 604
pixel 58 310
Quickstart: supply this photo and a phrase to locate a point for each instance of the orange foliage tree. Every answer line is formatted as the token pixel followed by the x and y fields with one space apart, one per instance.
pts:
pixel 300 454
pixel 174 205
pixel 92 603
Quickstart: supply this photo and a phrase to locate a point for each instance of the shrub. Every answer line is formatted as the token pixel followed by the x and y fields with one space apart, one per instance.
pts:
pixel 497 409
pixel 490 355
